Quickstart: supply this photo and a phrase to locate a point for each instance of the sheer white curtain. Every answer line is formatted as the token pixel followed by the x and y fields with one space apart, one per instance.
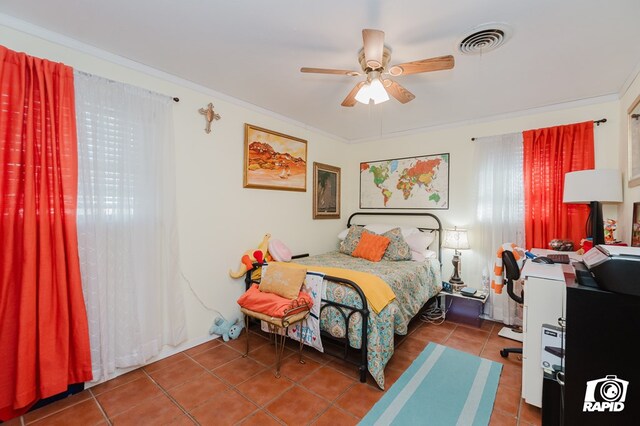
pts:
pixel 127 231
pixel 500 208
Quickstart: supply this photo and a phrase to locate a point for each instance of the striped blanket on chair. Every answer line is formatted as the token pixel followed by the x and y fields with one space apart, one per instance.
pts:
pixel 309 329
pixel 518 253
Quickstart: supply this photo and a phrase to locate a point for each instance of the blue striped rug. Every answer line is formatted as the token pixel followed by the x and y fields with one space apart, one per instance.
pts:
pixel 442 386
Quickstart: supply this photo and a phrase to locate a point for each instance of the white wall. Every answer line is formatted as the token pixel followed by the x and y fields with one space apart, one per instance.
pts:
pixel 457 142
pixel 631 194
pixel 218 219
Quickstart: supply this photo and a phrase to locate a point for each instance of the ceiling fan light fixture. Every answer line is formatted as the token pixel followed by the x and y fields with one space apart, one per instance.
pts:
pixel 372 91
pixel 363 94
pixel 377 92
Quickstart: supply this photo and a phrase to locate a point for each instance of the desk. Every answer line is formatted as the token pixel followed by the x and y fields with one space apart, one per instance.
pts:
pixel 567 269
pixel 600 328
pixel 573 255
pixel 544 303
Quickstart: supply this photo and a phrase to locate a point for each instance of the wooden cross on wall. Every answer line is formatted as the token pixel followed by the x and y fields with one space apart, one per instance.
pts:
pixel 209 115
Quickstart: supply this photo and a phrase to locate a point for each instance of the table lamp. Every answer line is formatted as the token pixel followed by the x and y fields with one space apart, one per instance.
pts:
pixel 456 239
pixel 593 187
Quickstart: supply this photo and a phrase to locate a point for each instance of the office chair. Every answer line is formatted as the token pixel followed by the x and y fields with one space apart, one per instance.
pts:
pixel 511 274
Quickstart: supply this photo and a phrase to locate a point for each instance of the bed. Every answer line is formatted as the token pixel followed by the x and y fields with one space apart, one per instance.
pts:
pixel 344 304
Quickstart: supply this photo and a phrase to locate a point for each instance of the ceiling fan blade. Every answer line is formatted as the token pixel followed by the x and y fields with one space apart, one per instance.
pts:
pixel 350 100
pixel 397 91
pixel 373 41
pixel 423 65
pixel 329 71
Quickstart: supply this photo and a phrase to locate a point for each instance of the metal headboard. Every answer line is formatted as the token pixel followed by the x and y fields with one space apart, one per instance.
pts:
pixel 437 229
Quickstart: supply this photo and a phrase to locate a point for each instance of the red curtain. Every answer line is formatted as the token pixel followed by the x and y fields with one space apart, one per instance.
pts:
pixel 549 154
pixel 44 339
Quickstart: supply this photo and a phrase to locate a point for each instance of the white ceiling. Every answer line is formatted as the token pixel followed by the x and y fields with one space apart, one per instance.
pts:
pixel 559 51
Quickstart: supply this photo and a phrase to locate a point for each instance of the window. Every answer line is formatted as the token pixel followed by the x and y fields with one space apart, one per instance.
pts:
pixel 127 232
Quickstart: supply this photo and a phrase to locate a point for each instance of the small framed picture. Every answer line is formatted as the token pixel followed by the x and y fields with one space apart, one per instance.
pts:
pixel 326 191
pixel 635 225
pixel 274 160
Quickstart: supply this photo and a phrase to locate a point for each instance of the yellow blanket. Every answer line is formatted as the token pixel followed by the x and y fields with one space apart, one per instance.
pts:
pixel 375 289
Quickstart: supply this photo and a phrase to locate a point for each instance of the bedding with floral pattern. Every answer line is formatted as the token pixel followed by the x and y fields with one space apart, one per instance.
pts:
pixel 413 284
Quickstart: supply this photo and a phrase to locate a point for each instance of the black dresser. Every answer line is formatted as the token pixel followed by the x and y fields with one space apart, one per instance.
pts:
pixel 602 366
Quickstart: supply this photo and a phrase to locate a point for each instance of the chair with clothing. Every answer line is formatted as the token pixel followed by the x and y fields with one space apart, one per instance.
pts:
pixel 512 274
pixel 276 299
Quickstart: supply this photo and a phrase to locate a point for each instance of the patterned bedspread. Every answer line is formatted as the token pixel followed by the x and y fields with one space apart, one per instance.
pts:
pixel 413 284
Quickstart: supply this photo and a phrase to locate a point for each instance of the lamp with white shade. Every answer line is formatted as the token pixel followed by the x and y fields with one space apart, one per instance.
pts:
pixel 593 187
pixel 456 239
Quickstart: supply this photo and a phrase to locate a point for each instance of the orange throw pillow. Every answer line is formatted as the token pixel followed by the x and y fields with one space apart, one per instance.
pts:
pixel 371 247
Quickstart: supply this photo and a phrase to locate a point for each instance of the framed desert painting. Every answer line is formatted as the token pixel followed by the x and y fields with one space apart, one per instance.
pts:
pixel 274 160
pixel 326 191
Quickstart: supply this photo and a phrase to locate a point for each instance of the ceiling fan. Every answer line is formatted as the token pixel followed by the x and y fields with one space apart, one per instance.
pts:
pixel 374 59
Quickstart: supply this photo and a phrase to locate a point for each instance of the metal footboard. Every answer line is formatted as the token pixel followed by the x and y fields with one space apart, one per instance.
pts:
pixel 347 312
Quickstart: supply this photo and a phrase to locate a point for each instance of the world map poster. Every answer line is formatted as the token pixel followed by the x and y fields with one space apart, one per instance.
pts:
pixel 405 183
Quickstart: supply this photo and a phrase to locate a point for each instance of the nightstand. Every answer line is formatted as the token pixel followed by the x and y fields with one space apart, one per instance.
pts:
pixel 461 308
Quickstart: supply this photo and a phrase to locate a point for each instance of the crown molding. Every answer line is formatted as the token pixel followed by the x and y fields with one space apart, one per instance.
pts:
pixel 629 81
pixel 492 118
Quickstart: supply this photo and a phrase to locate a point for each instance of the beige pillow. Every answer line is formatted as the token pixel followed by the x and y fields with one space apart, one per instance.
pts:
pixel 283 280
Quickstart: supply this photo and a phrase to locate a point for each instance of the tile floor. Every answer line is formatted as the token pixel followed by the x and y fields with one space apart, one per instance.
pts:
pixel 212 384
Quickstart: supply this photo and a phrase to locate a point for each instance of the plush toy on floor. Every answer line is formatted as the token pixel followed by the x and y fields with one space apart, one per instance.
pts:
pixel 227 329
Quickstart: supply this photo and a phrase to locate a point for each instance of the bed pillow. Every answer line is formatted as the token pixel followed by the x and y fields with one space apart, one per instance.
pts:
pixel 371 247
pixel 283 280
pixel 430 254
pixel 398 248
pixel 420 241
pixel 421 257
pixel 351 240
pixel 381 228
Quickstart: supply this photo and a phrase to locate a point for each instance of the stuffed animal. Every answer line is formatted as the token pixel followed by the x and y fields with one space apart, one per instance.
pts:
pixel 250 256
pixel 227 329
pixel 609 229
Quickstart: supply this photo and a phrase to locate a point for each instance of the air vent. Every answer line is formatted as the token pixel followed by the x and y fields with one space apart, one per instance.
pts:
pixel 483 39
